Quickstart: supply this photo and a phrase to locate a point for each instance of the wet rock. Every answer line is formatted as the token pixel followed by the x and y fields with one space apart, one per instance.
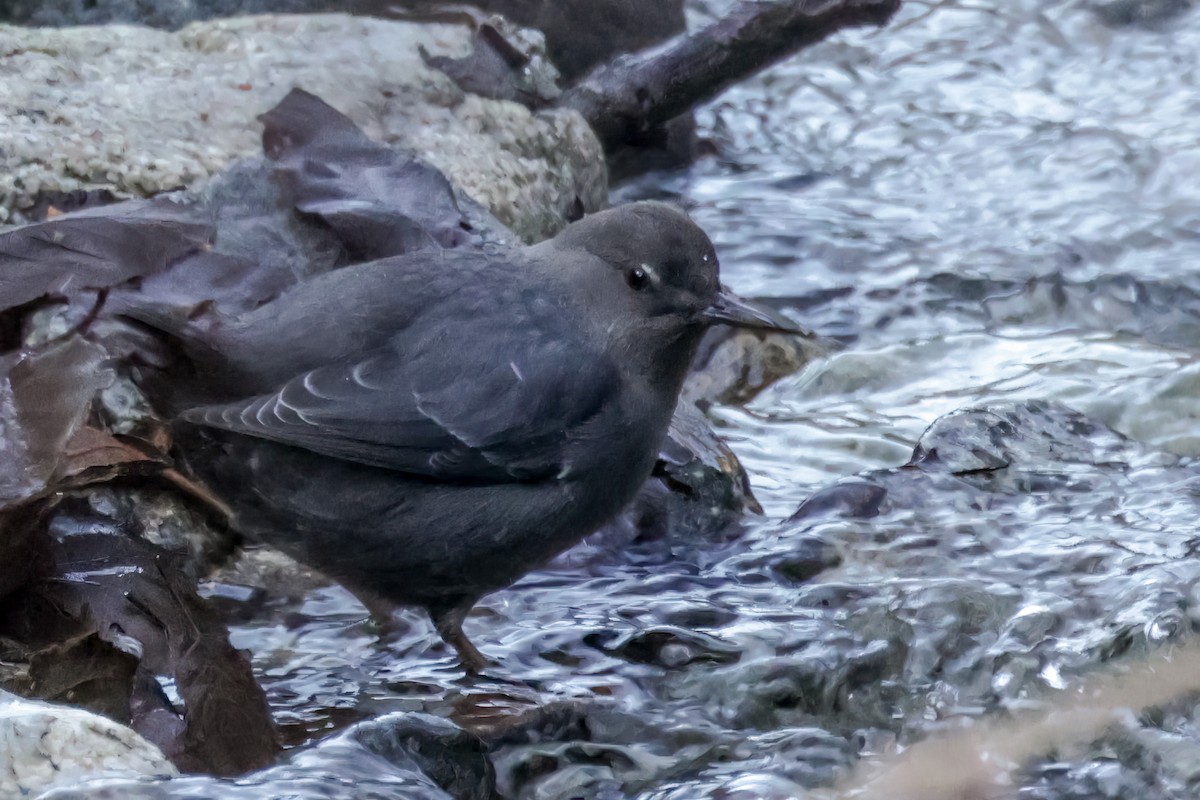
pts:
pixel 698 496
pixel 382 760
pixel 1166 312
pixel 166 520
pixel 1145 13
pixel 43 746
pixel 981 609
pixel 706 486
pixel 593 751
pixel 666 647
pixel 852 497
pixel 269 572
pixel 107 618
pixel 807 557
pixel 1098 779
pixel 843 687
pixel 505 63
pixel 136 134
pixel 1032 435
pixel 733 365
pixel 454 759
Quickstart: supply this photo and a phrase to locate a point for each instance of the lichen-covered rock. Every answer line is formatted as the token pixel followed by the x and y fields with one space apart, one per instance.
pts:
pixel 140 111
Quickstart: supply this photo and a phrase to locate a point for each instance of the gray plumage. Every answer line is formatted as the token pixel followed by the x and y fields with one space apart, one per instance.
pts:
pixel 430 427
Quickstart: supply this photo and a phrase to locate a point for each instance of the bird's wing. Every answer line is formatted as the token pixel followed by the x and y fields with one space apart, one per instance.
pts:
pixel 497 409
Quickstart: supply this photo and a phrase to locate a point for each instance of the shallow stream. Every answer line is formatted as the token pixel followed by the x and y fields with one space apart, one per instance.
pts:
pixel 983 203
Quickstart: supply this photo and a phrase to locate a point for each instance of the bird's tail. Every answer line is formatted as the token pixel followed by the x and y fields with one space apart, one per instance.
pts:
pixel 188 328
pixel 182 358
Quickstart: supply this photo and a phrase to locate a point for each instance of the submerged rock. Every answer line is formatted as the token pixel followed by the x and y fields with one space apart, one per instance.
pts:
pixel 1143 13
pixel 396 757
pixel 1022 544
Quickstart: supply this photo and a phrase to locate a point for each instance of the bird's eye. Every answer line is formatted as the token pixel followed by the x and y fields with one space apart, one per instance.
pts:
pixel 637 278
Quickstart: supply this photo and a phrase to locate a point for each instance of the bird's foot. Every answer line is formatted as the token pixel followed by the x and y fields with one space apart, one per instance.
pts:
pixel 481 669
pixel 449 627
pixel 472 660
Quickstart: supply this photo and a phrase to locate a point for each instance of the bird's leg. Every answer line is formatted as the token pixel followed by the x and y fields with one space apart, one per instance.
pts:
pixel 381 618
pixel 449 626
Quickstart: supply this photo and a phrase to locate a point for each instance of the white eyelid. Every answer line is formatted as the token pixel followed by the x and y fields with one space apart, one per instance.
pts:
pixel 651 273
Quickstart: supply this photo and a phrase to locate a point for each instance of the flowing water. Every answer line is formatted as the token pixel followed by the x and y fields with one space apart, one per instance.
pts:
pixel 983 203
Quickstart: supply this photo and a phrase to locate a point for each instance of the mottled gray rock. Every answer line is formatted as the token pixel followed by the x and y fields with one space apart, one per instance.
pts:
pixel 141 111
pixel 43 746
pixel 732 365
pixel 581 34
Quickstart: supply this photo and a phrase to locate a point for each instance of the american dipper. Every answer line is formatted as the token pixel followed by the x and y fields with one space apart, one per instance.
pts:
pixel 428 428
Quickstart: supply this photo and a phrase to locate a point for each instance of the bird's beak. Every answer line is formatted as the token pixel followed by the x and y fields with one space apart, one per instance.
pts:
pixel 729 309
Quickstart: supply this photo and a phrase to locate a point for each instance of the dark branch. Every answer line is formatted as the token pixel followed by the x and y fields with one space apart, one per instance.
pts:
pixel 633 94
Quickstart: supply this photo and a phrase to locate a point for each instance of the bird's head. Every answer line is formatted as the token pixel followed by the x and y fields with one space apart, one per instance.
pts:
pixel 661 268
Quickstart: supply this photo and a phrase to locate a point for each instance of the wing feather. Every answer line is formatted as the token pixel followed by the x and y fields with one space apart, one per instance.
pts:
pixel 436 405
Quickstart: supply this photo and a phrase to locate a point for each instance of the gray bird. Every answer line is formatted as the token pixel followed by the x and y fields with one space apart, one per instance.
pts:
pixel 428 428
